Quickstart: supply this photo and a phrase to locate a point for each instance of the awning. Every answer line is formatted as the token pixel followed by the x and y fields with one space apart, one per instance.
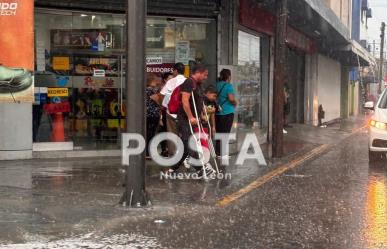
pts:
pixel 355 55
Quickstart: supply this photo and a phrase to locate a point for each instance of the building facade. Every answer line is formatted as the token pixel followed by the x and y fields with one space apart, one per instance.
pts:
pixel 80 67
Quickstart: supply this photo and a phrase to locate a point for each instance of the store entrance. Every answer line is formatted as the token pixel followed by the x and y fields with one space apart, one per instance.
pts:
pixel 295 84
pixel 79 72
pixel 79 79
pixel 98 103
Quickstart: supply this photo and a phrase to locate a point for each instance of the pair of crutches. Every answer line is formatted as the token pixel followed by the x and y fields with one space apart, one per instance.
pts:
pixel 202 155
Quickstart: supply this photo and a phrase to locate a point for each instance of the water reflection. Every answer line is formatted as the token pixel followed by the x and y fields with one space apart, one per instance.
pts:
pixel 376 222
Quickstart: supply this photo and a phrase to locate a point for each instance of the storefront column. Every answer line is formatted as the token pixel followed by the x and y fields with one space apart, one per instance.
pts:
pixel 344 92
pixel 15 131
pixel 135 195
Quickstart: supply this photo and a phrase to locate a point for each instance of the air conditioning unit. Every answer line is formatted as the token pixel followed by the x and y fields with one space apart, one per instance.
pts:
pixel 369 13
pixel 364 43
pixel 364 5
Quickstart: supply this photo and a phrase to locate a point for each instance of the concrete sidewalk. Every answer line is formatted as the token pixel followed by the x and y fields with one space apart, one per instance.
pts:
pixel 53 199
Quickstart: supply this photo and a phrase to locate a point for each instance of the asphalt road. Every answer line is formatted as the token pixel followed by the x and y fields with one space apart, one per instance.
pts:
pixel 335 201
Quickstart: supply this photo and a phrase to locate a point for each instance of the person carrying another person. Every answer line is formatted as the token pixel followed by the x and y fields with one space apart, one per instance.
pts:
pixel 163 119
pixel 163 98
pixel 227 103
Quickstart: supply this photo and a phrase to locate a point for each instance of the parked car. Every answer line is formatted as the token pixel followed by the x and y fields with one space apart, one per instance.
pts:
pixel 378 128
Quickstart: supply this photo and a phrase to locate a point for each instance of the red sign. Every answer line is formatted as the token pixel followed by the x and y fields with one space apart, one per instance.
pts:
pixel 255 18
pixel 262 21
pixel 298 40
pixel 52 108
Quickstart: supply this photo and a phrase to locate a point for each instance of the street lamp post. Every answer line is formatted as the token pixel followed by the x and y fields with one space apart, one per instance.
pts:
pixel 382 29
pixel 135 194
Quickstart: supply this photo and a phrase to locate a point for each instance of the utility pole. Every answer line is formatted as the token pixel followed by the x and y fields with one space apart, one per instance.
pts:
pixel 279 76
pixel 381 58
pixel 135 194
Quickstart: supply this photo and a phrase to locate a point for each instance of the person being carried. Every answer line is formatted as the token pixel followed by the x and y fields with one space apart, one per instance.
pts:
pixel 211 108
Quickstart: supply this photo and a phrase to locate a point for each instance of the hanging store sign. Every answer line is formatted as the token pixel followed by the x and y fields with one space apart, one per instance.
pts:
pixel 16 57
pixel 182 52
pixel 61 63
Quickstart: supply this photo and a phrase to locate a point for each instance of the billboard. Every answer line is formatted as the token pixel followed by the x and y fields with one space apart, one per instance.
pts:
pixel 17 51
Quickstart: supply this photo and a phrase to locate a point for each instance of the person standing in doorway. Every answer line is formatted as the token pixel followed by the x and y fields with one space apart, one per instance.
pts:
pixel 286 107
pixel 152 108
pixel 227 103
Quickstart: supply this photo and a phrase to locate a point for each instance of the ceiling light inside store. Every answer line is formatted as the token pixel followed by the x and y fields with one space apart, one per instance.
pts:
pixel 83 15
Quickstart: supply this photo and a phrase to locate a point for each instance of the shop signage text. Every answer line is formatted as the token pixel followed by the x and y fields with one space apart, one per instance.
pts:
pixel 58 92
pixel 104 82
pixel 8 9
pixel 154 60
pixel 162 68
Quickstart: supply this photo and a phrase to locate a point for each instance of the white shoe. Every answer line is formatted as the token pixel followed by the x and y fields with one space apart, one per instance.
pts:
pixel 208 171
pixel 186 163
pixel 284 131
pixel 223 157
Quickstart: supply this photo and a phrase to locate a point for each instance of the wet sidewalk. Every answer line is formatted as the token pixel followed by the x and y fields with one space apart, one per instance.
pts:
pixel 60 198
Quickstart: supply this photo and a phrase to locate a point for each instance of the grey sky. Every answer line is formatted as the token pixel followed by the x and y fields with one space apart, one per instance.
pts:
pixel 379 10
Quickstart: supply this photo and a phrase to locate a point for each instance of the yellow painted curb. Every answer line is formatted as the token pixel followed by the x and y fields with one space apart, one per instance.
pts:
pixel 269 176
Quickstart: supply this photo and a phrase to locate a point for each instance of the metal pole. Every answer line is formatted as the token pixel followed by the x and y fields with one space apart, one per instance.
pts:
pixel 135 194
pixel 381 57
pixel 279 76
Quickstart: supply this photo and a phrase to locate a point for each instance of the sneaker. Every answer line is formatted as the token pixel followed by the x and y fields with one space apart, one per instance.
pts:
pixel 186 163
pixel 223 157
pixel 208 171
pixel 284 131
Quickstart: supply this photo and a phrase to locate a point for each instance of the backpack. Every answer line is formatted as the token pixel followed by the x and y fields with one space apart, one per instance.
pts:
pixel 175 100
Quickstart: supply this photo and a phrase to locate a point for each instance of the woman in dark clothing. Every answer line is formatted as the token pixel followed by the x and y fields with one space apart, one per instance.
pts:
pixel 152 109
pixel 226 103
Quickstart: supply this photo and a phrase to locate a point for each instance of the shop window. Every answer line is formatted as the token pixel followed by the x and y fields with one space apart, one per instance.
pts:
pixel 248 81
pixel 80 65
pixel 180 40
pixel 79 61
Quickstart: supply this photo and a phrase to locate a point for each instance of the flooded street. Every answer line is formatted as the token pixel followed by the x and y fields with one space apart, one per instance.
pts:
pixel 335 201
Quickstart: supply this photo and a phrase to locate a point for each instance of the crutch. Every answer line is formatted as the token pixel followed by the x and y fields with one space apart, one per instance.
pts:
pixel 210 143
pixel 198 141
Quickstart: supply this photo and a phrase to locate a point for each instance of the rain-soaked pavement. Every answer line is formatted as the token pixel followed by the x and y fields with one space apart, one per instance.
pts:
pixel 335 201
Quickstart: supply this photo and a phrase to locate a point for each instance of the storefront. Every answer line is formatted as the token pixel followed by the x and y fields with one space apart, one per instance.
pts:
pixel 80 72
pixel 260 24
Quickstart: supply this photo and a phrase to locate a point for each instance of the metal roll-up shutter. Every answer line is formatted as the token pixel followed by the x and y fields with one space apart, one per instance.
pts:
pixel 203 8
pixel 92 5
pixel 194 8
